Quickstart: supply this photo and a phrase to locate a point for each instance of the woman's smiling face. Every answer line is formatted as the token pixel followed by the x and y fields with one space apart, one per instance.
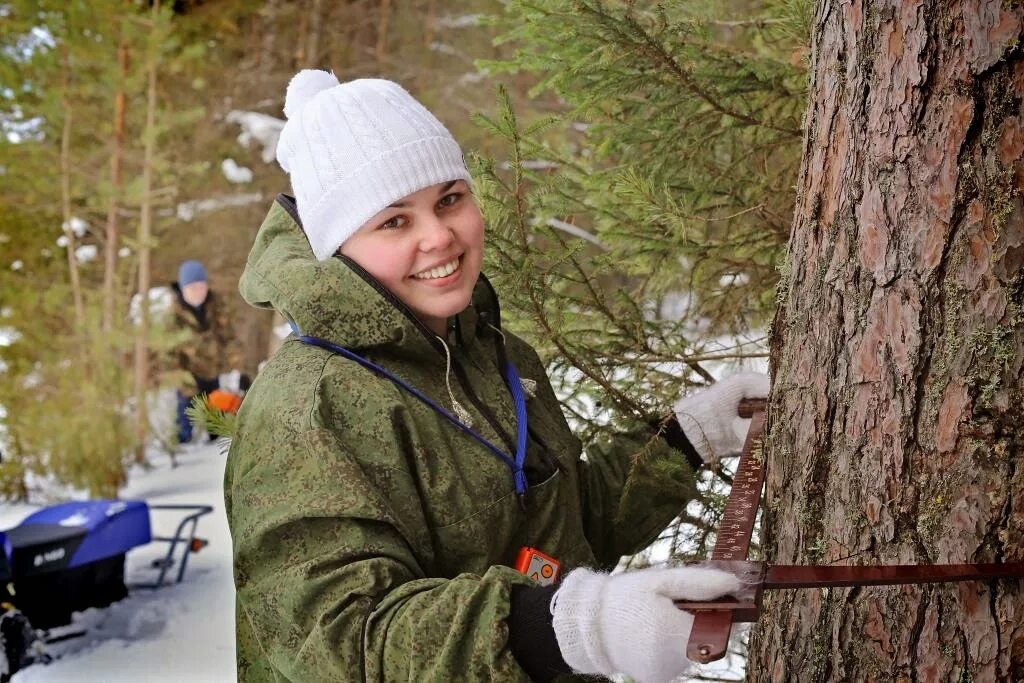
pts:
pixel 426 248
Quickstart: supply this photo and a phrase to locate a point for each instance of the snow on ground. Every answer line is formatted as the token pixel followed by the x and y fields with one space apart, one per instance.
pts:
pixel 182 632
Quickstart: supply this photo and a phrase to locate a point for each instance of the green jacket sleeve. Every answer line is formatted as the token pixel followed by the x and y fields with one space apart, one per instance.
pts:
pixel 328 582
pixel 632 484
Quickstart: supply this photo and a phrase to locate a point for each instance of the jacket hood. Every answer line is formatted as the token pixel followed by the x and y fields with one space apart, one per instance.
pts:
pixel 335 299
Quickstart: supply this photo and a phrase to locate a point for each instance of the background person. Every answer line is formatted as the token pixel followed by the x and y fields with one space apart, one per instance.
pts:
pixel 210 349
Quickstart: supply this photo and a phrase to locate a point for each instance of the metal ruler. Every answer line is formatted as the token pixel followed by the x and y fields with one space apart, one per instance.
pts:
pixel 713 620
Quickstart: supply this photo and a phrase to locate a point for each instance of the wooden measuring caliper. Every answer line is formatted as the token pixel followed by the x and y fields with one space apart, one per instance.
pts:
pixel 713 620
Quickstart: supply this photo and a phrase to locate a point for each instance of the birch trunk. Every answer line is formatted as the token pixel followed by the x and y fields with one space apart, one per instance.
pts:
pixel 896 423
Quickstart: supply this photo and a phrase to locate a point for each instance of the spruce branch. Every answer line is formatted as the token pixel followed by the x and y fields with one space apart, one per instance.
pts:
pixel 214 421
pixel 647 45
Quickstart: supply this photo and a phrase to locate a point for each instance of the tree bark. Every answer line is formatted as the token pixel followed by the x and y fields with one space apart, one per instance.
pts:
pixel 316 12
pixel 895 422
pixel 65 196
pixel 144 238
pixel 383 26
pixel 301 40
pixel 116 187
pixel 268 33
pixel 424 73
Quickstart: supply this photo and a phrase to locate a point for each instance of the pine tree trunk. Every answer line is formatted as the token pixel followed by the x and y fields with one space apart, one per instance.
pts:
pixel 268 32
pixel 145 235
pixel 316 12
pixel 65 198
pixel 896 423
pixel 113 235
pixel 302 39
pixel 383 26
pixel 429 24
pixel 424 73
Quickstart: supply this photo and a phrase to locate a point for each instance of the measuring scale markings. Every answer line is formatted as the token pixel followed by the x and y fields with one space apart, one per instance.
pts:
pixel 709 635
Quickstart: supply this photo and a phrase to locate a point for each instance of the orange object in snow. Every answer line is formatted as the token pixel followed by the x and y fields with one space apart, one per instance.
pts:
pixel 224 401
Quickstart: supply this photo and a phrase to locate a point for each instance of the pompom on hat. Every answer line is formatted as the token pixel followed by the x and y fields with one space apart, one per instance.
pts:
pixel 351 149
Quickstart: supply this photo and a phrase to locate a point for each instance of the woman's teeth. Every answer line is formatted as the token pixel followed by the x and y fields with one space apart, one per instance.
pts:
pixel 441 271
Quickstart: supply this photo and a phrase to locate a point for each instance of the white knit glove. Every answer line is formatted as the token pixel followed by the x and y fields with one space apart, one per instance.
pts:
pixel 710 418
pixel 626 623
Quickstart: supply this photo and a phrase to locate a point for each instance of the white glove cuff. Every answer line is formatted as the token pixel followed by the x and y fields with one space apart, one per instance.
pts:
pixel 575 608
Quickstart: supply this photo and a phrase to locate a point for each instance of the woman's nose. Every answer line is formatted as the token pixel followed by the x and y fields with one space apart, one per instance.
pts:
pixel 436 234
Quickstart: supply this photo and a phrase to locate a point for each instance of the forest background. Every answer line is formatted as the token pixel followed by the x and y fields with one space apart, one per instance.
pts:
pixel 635 161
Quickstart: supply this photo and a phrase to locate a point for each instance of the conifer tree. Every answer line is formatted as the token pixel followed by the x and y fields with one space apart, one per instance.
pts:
pixel 157 27
pixel 637 230
pixel 64 379
pixel 643 221
pixel 67 388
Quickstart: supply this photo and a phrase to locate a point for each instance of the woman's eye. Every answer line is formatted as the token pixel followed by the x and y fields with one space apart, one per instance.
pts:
pixel 449 199
pixel 393 223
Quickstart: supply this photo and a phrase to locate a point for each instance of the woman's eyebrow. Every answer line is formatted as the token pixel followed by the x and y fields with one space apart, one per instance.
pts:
pixel 444 188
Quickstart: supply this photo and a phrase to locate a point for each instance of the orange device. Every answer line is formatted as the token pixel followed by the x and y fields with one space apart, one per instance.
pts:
pixel 541 568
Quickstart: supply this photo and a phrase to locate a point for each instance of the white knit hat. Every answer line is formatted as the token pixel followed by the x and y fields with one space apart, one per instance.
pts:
pixel 353 148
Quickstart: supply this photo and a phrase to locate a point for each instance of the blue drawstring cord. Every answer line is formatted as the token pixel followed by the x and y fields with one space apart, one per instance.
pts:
pixel 515 388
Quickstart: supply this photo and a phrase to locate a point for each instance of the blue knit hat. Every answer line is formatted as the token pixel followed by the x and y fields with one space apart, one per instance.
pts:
pixel 191 271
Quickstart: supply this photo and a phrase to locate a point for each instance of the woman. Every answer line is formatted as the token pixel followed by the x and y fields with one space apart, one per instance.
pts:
pixel 400 450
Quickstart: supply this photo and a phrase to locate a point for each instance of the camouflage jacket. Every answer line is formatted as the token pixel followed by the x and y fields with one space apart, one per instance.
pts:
pixel 373 540
pixel 211 348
